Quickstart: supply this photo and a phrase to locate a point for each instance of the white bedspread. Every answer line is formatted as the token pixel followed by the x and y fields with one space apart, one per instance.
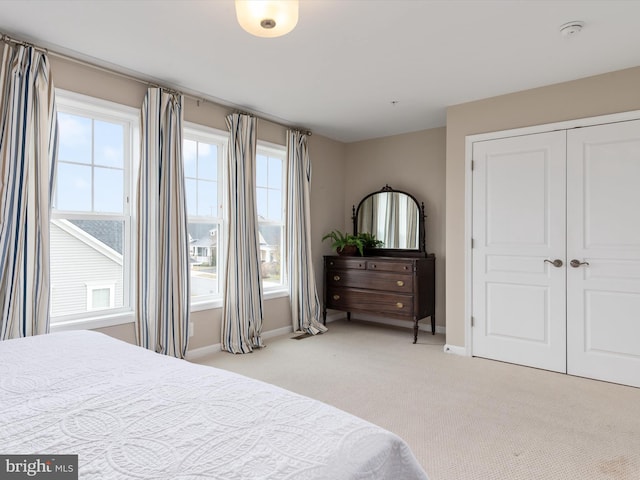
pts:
pixel 131 413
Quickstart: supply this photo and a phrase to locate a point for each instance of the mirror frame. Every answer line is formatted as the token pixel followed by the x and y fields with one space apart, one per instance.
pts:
pixel 394 252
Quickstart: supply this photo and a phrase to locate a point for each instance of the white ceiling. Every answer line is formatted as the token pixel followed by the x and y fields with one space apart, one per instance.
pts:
pixel 347 60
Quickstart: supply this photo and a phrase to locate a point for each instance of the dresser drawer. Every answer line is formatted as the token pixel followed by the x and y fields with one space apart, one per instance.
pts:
pixel 346 263
pixel 390 266
pixel 393 282
pixel 352 299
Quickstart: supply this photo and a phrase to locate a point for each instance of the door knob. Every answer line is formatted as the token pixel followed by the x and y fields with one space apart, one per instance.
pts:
pixel 576 263
pixel 556 263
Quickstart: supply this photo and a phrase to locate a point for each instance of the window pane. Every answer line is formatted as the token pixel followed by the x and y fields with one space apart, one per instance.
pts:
pixel 275 173
pixel 262 202
pixel 108 145
pixel 74 141
pixel 191 192
pixel 83 252
pixel 73 187
pixel 207 199
pixel 270 254
pixel 207 161
pixel 275 205
pixel 203 257
pixel 108 188
pixel 262 171
pixel 190 156
pixel 100 298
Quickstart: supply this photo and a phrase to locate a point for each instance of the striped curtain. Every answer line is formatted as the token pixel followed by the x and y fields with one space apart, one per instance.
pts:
pixel 28 144
pixel 162 276
pixel 305 306
pixel 242 312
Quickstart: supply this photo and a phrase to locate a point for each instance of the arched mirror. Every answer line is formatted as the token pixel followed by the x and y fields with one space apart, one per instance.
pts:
pixel 395 218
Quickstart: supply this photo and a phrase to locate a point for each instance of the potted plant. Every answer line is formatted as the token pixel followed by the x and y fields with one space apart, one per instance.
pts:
pixel 369 240
pixel 345 243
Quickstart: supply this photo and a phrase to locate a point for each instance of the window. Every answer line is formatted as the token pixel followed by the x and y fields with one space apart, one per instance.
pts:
pixel 202 151
pixel 91 211
pixel 270 181
pixel 100 297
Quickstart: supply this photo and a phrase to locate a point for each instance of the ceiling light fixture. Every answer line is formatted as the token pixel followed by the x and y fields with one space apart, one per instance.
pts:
pixel 267 18
pixel 571 28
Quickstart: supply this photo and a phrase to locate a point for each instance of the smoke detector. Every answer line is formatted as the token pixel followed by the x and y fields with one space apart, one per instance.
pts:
pixel 570 29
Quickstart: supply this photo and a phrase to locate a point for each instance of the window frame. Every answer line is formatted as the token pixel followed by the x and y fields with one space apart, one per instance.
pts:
pixel 204 134
pixel 278 151
pixel 98 109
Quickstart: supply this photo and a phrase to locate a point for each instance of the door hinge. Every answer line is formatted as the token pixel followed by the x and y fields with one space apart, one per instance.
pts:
pixel 473 164
pixel 472 321
pixel 472 243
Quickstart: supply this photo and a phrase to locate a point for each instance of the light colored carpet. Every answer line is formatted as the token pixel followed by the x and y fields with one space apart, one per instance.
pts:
pixel 464 418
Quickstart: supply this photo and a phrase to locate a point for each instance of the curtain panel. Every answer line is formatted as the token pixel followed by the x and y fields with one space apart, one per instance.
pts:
pixel 243 310
pixel 162 274
pixel 305 306
pixel 28 148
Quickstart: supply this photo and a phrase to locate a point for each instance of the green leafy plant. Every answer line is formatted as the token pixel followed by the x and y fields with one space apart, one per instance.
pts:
pixel 369 240
pixel 361 241
pixel 341 240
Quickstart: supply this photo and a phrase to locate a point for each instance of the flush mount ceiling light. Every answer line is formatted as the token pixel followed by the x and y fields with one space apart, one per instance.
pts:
pixel 571 28
pixel 267 18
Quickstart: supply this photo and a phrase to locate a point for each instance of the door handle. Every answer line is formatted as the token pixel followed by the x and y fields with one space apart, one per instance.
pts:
pixel 556 263
pixel 576 263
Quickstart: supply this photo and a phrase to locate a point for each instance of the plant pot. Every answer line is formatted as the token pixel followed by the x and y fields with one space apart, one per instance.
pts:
pixel 348 250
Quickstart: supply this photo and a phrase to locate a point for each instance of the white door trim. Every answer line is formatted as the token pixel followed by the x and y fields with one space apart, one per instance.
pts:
pixel 468 185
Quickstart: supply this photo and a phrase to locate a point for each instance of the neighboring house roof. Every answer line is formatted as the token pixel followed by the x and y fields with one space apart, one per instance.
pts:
pixel 88 239
pixel 109 232
pixel 204 242
pixel 201 230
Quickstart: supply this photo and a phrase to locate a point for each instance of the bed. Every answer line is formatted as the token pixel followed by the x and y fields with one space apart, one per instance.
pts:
pixel 130 413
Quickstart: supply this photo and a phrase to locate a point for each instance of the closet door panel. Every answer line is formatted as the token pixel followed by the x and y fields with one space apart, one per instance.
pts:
pixel 518 223
pixel 603 237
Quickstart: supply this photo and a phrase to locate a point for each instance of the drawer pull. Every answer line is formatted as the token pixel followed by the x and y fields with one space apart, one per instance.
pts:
pixel 336 277
pixel 331 263
pixel 399 305
pixel 373 265
pixel 336 297
pixel 400 283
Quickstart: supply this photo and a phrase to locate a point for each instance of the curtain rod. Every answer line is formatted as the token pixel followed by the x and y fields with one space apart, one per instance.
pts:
pixel 7 39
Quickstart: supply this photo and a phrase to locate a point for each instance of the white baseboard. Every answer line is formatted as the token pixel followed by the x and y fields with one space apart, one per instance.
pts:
pixel 211 349
pixel 456 350
pixel 202 351
pixel 336 316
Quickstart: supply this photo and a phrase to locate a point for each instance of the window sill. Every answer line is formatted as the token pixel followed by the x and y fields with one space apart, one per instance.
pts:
pixel 91 323
pixel 217 303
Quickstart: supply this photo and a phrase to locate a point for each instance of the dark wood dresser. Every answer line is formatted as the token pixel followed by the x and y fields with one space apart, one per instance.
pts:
pixel 394 287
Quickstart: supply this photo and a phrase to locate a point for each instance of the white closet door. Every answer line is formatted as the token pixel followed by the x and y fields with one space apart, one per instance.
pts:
pixel 603 229
pixel 518 223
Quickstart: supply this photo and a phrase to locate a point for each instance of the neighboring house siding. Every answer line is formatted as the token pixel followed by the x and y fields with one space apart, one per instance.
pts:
pixel 69 285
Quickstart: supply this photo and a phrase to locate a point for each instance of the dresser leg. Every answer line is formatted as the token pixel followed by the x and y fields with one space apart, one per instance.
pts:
pixel 348 316
pixel 415 330
pixel 433 324
pixel 324 315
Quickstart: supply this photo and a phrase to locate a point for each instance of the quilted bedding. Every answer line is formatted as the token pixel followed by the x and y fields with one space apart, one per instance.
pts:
pixel 131 413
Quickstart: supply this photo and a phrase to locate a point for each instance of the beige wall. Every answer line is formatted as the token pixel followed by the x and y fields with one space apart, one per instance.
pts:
pixel 415 163
pixel 599 95
pixel 327 196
